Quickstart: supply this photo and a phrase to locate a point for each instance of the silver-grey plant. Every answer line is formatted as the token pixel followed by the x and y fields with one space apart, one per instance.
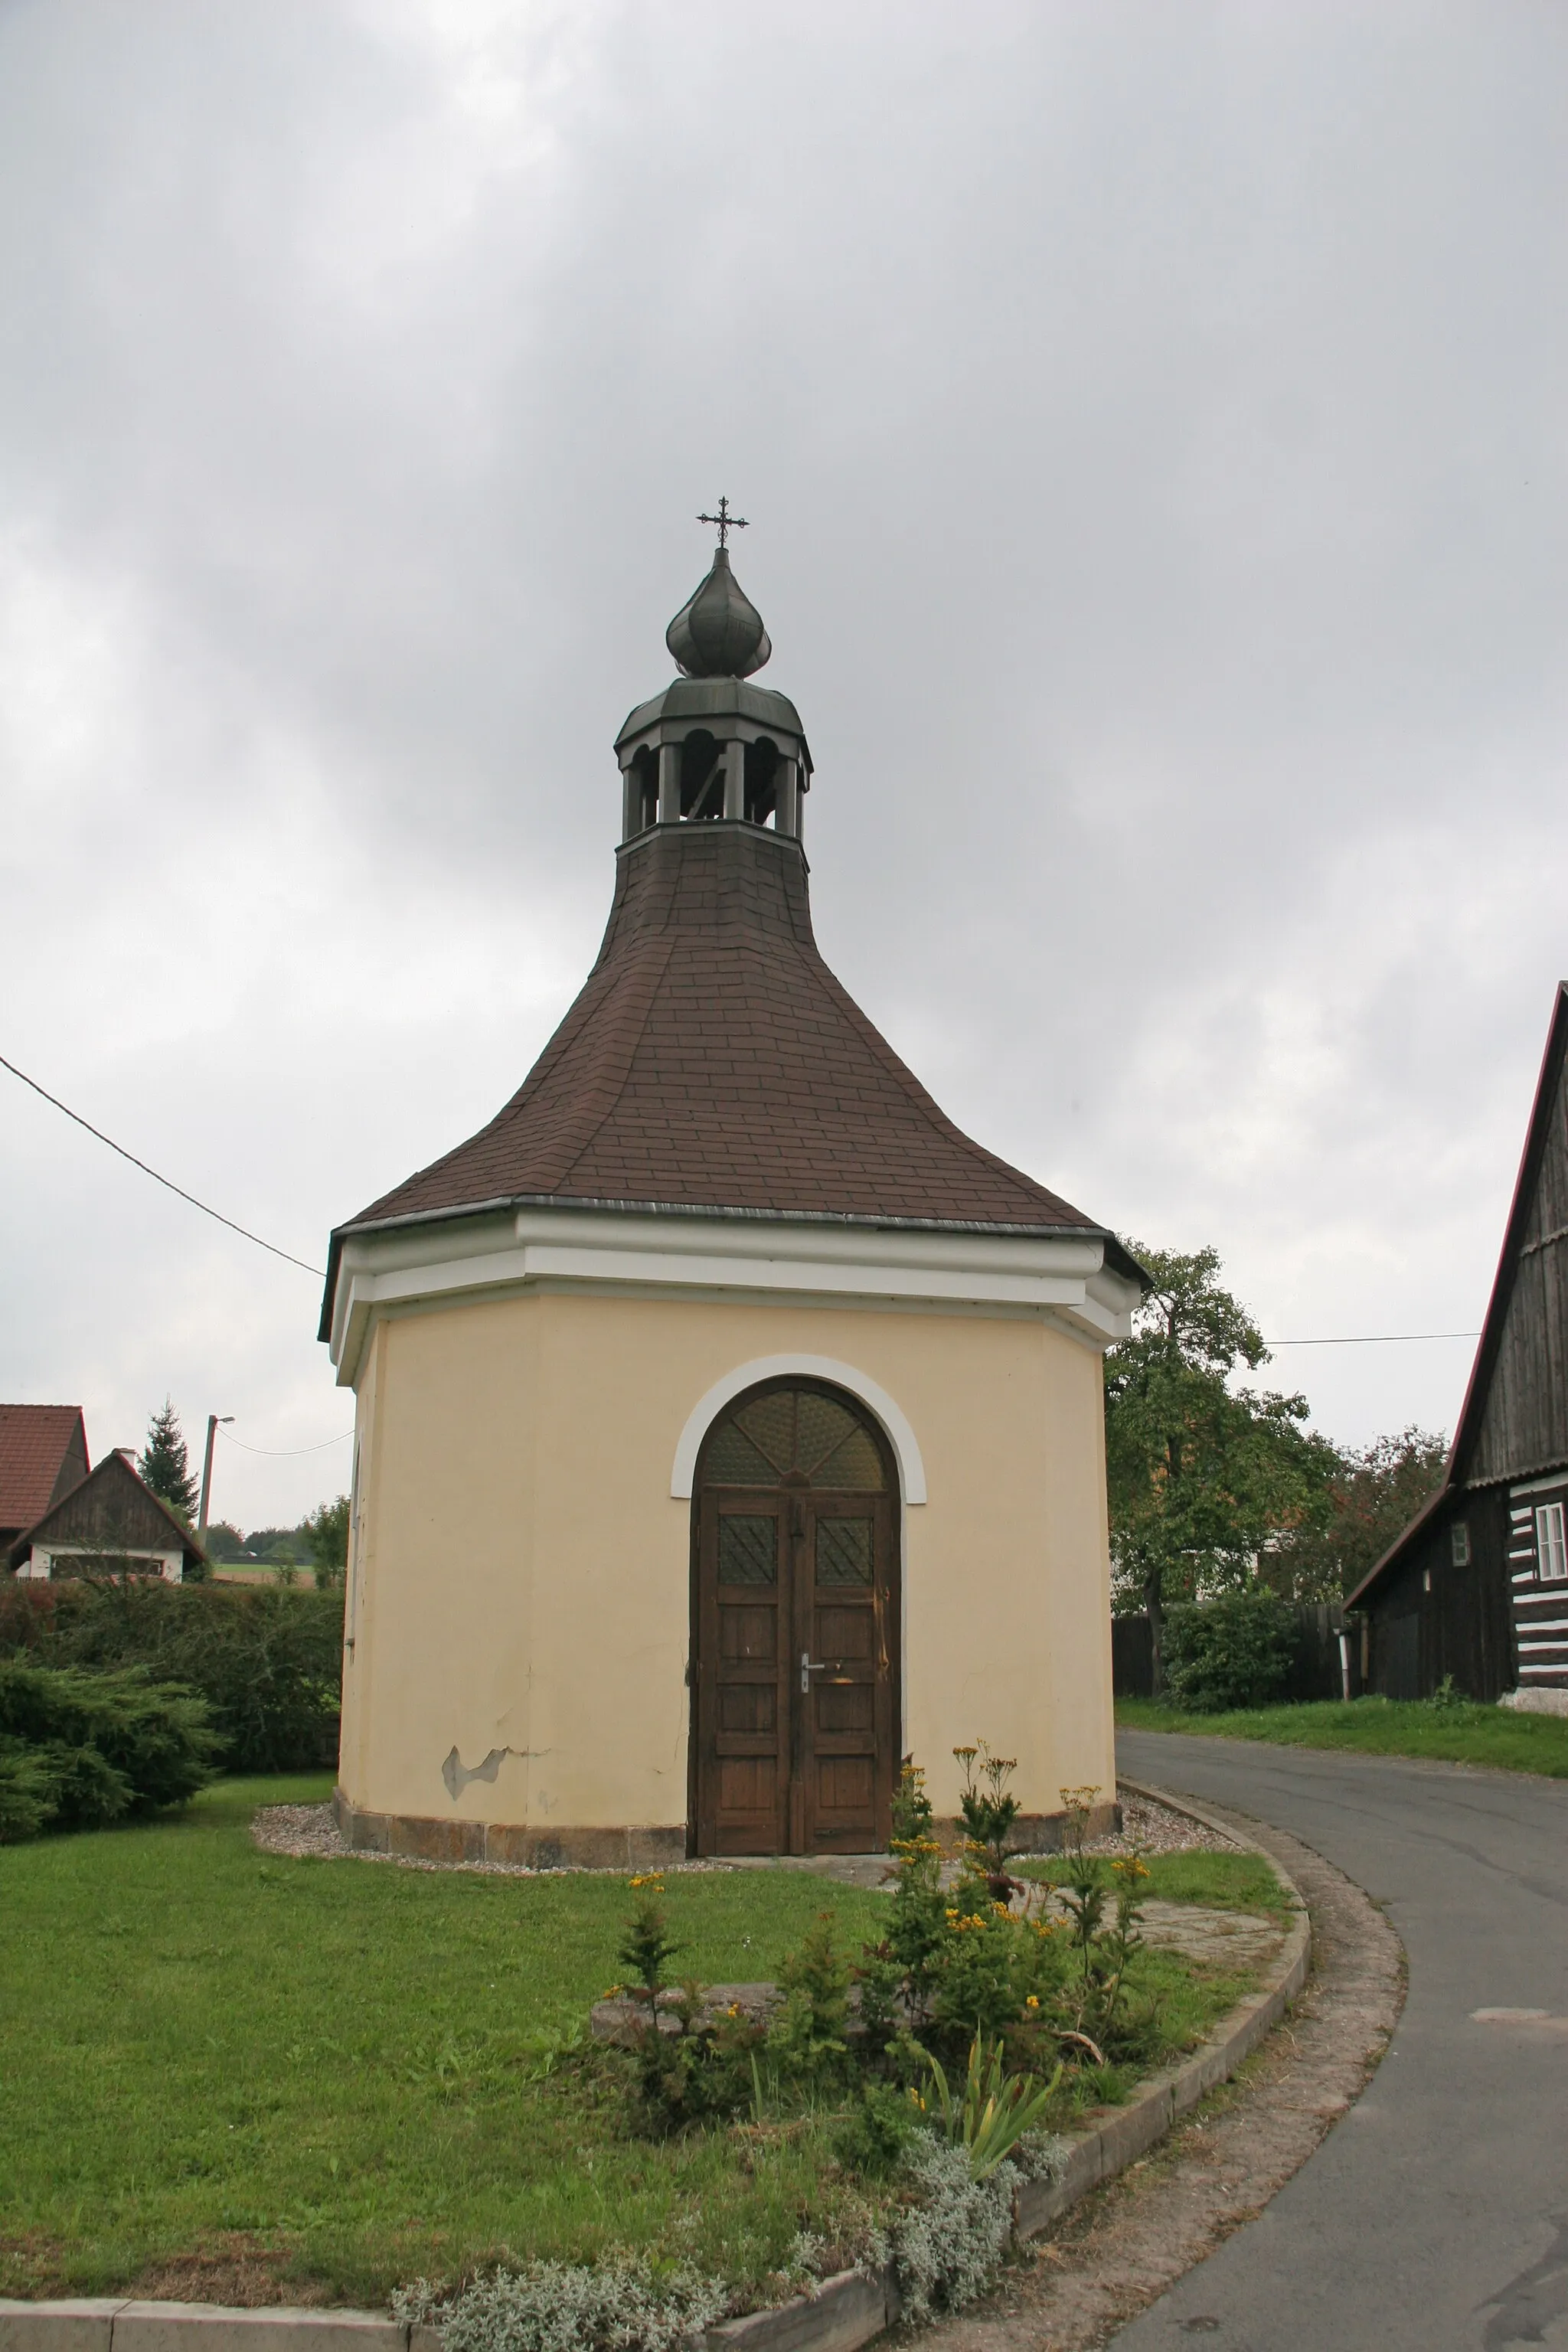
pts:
pixel 609 2306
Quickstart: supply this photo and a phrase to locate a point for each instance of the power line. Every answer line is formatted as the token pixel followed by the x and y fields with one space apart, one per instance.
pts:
pixel 1356 1339
pixel 286 1453
pixel 1372 1339
pixel 169 1185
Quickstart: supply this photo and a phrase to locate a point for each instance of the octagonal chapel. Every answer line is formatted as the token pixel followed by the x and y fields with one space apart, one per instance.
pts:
pixel 728 1423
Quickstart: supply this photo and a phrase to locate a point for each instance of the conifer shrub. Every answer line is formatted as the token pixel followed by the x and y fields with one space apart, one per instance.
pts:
pixel 78 1750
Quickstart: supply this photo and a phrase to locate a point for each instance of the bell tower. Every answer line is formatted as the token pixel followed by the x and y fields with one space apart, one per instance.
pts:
pixel 713 749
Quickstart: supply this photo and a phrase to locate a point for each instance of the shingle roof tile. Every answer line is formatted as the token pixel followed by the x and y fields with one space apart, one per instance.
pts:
pixel 35 1446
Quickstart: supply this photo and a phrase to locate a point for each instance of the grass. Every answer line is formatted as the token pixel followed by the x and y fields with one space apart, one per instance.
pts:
pixel 334 2076
pixel 1465 1733
pixel 1191 1997
pixel 1221 1881
pixel 209 2050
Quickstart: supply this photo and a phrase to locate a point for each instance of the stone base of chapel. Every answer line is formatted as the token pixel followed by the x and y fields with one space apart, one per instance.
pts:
pixel 1034 1833
pixel 423 1838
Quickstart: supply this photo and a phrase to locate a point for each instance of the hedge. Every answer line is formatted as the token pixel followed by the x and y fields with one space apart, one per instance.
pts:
pixel 266 1660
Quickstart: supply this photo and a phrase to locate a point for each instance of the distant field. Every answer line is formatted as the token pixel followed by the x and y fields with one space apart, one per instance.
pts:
pixel 1381 1727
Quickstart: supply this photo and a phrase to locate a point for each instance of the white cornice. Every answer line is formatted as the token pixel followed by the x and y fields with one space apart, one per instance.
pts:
pixel 1062 1276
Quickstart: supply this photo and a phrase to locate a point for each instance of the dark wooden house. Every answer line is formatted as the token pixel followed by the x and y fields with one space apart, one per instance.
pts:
pixel 43 1454
pixel 112 1524
pixel 1476 1586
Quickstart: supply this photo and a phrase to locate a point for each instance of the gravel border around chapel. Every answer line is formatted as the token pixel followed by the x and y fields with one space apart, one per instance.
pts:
pixel 312 1832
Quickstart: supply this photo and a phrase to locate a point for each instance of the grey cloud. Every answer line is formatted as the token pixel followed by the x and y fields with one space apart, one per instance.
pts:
pixel 1151 425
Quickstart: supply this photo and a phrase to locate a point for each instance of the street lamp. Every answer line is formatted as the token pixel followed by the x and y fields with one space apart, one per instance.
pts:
pixel 212 1420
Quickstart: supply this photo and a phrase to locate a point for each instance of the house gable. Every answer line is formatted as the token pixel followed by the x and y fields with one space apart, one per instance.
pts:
pixel 111 1513
pixel 1522 1423
pixel 1477 1550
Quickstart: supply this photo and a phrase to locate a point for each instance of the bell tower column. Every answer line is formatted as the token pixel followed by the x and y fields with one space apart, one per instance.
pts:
pixel 669 783
pixel 787 820
pixel 735 778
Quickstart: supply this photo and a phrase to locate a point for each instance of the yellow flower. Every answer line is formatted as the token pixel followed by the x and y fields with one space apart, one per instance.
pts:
pixel 1032 2001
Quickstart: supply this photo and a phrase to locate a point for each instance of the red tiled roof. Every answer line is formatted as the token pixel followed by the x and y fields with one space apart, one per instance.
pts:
pixel 34 1442
pixel 713 1062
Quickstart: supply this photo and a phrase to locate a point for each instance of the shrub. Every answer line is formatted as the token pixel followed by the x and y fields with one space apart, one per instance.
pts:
pixel 1235 1651
pixel 268 1662
pixel 80 1748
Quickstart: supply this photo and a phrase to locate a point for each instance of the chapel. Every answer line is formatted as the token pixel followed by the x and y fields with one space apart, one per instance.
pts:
pixel 728 1423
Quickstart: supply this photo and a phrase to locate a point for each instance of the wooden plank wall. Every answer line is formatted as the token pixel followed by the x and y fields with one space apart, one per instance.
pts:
pixel 1433 1619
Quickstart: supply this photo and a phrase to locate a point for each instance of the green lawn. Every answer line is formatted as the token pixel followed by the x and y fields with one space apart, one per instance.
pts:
pixel 1465 1734
pixel 1223 1882
pixel 350 2074
pixel 343 2063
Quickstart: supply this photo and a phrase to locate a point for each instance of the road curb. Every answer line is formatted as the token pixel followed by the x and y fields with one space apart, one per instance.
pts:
pixel 843 2313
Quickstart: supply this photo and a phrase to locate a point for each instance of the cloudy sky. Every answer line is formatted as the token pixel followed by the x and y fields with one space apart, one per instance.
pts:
pixel 1154 426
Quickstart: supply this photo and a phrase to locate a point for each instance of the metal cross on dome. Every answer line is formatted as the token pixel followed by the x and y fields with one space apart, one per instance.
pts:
pixel 726 521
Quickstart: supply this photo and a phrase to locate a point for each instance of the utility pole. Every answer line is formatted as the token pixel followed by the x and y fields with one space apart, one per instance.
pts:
pixel 212 1420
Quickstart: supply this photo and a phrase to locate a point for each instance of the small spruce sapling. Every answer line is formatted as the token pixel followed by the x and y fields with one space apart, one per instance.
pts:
pixel 648 1948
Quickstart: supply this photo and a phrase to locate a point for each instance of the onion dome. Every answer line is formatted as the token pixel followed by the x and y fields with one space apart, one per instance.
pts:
pixel 719 632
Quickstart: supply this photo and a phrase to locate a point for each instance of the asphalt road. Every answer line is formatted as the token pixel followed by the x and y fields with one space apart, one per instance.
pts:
pixel 1435 2215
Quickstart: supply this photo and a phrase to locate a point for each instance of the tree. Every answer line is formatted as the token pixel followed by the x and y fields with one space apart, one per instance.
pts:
pixel 166 1465
pixel 1204 1477
pixel 327 1532
pixel 1375 1492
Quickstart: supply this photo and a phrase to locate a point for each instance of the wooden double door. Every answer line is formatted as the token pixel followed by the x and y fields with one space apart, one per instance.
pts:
pixel 795 1639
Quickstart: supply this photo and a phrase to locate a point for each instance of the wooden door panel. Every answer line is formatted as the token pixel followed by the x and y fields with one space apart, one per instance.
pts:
pixel 748 1709
pixel 749 1636
pixel 848 1636
pixel 847 1707
pixel 847 1730
pixel 741 1711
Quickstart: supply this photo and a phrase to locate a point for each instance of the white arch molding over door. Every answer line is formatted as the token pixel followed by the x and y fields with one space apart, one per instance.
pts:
pixel 906 1449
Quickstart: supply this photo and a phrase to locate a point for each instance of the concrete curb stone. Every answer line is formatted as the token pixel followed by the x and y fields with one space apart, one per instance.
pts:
pixel 845 2312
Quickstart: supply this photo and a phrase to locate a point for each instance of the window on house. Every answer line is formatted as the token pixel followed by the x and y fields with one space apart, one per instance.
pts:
pixel 1459 1544
pixel 1551 1544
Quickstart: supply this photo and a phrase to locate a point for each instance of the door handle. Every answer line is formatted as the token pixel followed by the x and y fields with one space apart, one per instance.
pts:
pixel 809 1667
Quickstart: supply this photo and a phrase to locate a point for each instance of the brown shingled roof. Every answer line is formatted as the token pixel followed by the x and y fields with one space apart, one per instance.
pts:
pixel 713 1062
pixel 43 1453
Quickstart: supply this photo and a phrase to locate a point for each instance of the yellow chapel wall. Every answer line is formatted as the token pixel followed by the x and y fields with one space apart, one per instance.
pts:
pixel 523 1571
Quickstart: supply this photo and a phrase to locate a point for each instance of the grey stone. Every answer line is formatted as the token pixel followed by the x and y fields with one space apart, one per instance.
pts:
pixel 213 2327
pixel 845 2312
pixel 82 2326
